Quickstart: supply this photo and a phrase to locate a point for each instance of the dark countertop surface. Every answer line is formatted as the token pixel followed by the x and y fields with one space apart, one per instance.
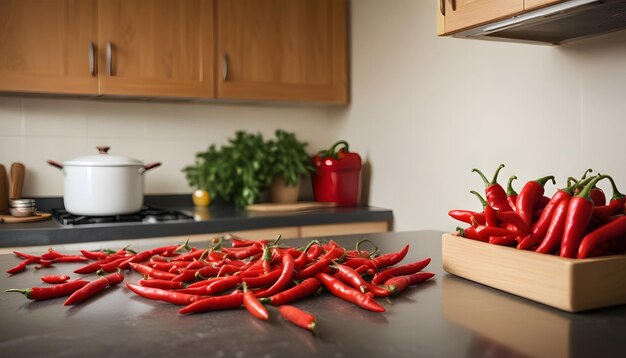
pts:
pixel 217 218
pixel 447 317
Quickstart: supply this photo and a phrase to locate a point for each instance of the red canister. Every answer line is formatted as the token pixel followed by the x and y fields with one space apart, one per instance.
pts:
pixel 337 177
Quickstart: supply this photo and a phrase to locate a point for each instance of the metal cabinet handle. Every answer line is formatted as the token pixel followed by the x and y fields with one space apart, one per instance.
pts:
pixel 109 59
pixel 92 64
pixel 224 67
pixel 442 7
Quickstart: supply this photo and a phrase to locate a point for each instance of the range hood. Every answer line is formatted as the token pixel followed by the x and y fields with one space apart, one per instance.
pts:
pixel 563 22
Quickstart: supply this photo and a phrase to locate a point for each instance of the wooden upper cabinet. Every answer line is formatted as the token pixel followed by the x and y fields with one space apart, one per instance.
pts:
pixel 294 50
pixel 456 15
pixel 532 4
pixel 156 47
pixel 45 46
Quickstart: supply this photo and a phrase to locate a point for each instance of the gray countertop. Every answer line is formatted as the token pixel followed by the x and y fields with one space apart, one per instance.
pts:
pixel 447 317
pixel 219 218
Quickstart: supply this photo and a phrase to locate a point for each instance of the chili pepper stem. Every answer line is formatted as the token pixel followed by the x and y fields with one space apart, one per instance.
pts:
pixel 483 202
pixel 509 186
pixel 24 291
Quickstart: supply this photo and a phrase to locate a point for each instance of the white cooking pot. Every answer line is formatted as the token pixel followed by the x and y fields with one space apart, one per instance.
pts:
pixel 103 184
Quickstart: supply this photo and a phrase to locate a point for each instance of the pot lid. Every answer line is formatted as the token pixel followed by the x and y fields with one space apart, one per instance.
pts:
pixel 103 159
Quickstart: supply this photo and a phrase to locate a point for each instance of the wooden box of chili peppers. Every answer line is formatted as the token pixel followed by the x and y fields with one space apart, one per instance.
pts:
pixel 567 251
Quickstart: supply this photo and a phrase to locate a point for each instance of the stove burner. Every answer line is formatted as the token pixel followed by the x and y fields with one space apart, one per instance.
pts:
pixel 146 215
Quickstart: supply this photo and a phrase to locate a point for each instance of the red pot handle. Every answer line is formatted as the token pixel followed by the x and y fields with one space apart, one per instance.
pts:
pixel 55 164
pixel 151 166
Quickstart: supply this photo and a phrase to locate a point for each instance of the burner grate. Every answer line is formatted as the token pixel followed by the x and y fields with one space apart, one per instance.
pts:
pixel 146 215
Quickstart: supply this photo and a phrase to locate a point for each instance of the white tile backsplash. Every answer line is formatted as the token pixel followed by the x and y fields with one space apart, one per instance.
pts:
pixel 10 116
pixel 55 117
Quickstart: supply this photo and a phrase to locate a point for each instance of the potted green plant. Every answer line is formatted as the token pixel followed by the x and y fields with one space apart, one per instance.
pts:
pixel 237 172
pixel 288 162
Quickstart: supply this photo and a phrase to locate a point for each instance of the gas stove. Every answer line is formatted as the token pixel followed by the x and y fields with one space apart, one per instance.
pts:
pixel 146 215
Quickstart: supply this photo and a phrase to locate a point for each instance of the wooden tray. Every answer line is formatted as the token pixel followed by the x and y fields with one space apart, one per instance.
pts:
pixel 572 285
pixel 299 206
pixel 24 219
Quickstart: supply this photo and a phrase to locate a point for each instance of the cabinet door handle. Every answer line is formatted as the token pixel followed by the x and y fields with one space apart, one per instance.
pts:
pixel 92 64
pixel 224 67
pixel 109 59
pixel 442 7
pixel 453 3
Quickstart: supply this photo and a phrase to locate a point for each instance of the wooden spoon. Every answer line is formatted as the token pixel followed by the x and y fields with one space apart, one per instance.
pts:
pixel 4 190
pixel 18 171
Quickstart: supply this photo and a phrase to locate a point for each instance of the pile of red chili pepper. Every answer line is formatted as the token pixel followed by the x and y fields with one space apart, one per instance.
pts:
pixel 576 222
pixel 245 273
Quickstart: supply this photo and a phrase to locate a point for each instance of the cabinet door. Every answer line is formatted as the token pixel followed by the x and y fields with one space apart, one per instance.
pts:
pixel 462 14
pixel 46 46
pixel 156 47
pixel 292 50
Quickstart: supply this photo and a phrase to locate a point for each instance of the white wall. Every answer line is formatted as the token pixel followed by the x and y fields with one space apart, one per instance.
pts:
pixel 426 110
pixel 33 130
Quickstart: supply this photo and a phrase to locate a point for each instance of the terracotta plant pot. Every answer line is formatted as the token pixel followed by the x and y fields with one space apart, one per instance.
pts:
pixel 281 193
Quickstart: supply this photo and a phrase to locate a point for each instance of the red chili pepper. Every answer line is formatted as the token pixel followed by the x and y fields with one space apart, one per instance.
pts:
pixel 615 206
pixel 44 293
pixel 485 232
pixel 467 215
pixel 214 304
pixel 263 280
pixel 578 216
pixel 511 194
pixel 205 282
pixel 113 265
pixel 554 233
pixel 471 233
pixel 70 258
pixel 238 242
pixel 495 194
pixel 400 283
pixel 173 297
pixel 360 261
pixel 52 254
pixel 488 212
pixel 376 290
pixel 162 284
pixel 145 255
pixel 348 293
pixel 22 265
pixel 298 317
pixel 391 259
pixel 400 270
pixel 284 279
pixel 610 231
pixel 540 204
pixel 597 196
pixel 252 304
pixel 515 220
pixel 243 254
pixel 540 228
pixel 351 277
pixel 503 240
pixel 150 272
pixel 305 289
pixel 25 256
pixel 312 269
pixel 333 252
pixel 314 252
pixel 267 259
pixel 93 288
pixel 194 254
pixel 55 279
pixel 528 196
pixel 216 286
pixel 94 255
